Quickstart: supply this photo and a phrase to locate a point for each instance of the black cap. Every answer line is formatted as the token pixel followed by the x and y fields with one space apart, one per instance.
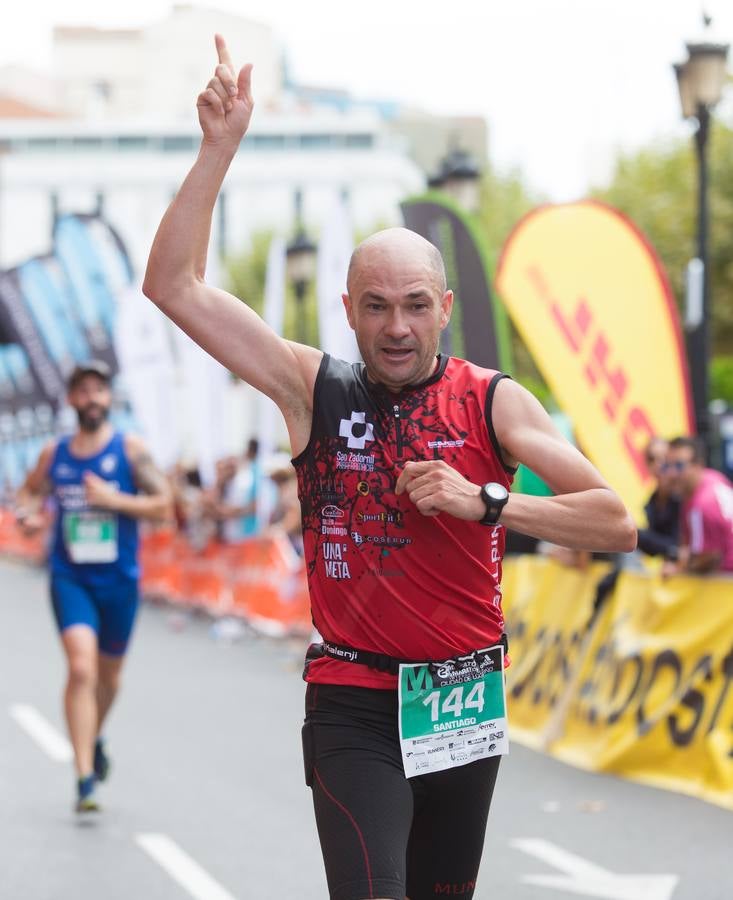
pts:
pixel 93 367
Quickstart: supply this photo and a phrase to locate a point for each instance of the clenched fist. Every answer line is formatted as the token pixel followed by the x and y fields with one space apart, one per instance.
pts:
pixel 435 487
pixel 100 493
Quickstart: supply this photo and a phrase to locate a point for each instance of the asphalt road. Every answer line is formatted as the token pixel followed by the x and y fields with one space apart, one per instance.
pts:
pixel 207 798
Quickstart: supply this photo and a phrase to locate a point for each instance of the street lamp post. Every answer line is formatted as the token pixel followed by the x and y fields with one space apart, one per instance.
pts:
pixel 460 177
pixel 301 262
pixel 700 79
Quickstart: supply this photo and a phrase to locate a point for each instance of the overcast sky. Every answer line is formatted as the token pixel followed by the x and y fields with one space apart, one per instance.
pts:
pixel 562 83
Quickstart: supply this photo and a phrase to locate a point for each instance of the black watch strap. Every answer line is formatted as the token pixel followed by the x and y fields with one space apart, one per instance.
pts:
pixel 494 506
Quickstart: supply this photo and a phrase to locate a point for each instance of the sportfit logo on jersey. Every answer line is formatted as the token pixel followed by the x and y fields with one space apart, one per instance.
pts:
pixel 357 431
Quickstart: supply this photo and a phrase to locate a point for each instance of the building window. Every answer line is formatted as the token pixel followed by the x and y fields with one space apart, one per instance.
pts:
pixel 360 141
pixel 132 142
pixel 179 143
pixel 86 143
pixel 316 141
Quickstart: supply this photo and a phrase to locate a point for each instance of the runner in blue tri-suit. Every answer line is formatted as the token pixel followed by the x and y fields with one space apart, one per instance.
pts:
pixel 93 477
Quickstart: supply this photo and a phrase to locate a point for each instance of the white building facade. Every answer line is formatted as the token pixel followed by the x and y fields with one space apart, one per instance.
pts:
pixel 132 169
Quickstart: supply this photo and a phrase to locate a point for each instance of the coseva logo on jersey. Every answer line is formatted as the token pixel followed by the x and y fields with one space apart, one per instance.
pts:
pixel 387 540
pixel 357 431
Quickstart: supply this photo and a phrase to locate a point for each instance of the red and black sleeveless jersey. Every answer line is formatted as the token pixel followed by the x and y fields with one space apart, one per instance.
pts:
pixel 383 577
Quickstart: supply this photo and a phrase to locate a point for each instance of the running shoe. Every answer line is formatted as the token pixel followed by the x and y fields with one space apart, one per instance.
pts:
pixel 86 795
pixel 101 760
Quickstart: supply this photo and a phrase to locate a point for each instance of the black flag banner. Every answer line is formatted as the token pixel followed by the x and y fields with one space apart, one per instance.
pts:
pixel 478 330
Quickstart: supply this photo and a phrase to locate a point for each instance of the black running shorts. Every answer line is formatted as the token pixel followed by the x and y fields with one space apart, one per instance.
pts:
pixel 382 835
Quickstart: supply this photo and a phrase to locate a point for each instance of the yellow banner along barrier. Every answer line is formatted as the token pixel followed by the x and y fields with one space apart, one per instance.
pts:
pixel 548 609
pixel 647 693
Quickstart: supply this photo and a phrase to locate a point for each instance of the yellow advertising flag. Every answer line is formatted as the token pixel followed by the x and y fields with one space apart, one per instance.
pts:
pixel 591 301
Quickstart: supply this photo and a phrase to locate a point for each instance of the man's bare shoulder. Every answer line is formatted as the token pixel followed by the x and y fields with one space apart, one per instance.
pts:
pixel 134 444
pixel 298 385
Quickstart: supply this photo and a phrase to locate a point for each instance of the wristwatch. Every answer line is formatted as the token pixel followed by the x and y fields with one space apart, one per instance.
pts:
pixel 495 498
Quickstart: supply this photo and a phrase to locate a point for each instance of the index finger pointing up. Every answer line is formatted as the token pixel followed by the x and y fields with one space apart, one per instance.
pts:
pixel 223 52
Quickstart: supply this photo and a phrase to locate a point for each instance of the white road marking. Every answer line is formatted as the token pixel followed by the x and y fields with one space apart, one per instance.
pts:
pixel 182 869
pixel 48 738
pixel 586 878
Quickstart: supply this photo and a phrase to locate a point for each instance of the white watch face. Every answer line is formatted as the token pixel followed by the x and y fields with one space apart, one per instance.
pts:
pixel 496 491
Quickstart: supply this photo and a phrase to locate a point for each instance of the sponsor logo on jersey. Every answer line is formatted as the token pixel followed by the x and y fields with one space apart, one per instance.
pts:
pixel 362 488
pixel 357 431
pixel 108 463
pixel 392 518
pixel 355 462
pixel 386 540
pixel 333 556
pixel 335 530
pixel 443 445
pixel 332 512
pixel 381 572
pixel 331 490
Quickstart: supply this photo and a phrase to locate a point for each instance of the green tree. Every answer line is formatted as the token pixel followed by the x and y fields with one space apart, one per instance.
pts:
pixel 656 188
pixel 247 272
pixel 504 199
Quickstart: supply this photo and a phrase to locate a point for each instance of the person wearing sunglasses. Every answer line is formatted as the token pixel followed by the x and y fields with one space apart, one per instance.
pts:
pixel 707 509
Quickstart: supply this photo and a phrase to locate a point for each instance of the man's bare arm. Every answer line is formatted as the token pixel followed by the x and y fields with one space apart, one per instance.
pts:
pixel 584 513
pixel 220 323
pixel 154 500
pixel 37 485
pixel 703 563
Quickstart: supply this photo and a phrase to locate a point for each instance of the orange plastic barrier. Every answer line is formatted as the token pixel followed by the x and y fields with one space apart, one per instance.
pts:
pixel 269 586
pixel 15 544
pixel 261 580
pixel 204 577
pixel 162 578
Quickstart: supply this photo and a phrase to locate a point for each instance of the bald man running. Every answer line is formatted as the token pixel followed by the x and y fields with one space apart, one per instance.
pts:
pixel 404 464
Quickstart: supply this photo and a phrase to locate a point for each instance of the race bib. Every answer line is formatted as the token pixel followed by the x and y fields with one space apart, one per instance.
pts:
pixel 91 537
pixel 452 713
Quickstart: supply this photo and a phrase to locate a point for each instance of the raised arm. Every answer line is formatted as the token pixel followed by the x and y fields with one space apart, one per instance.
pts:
pixel 220 323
